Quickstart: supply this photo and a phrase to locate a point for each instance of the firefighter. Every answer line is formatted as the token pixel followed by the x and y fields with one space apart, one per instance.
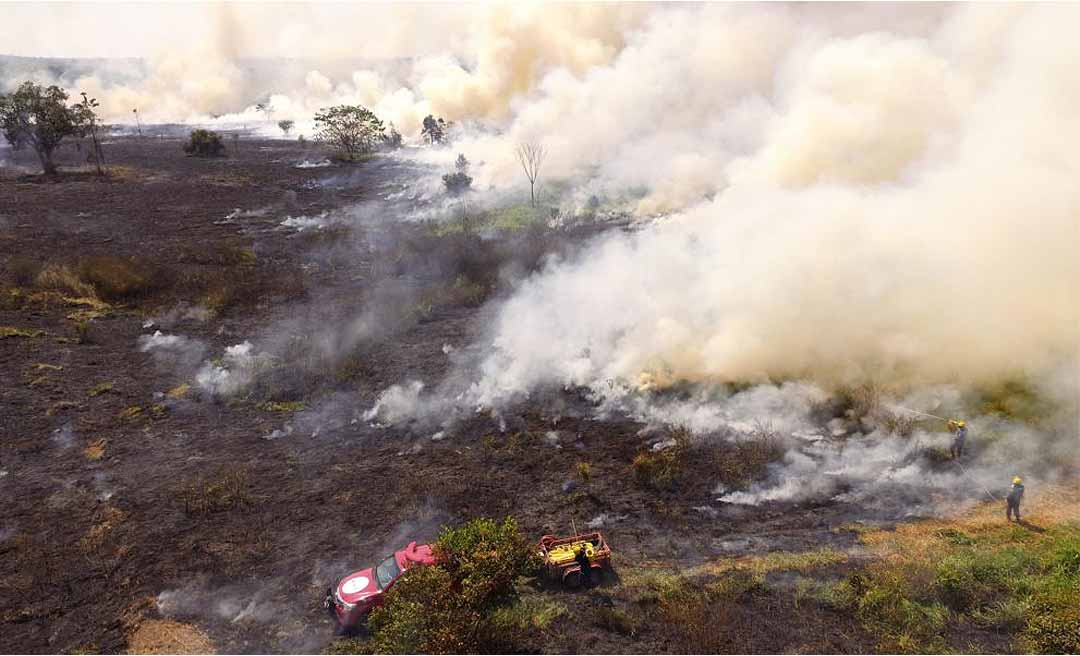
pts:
pixel 582 559
pixel 959 429
pixel 1013 500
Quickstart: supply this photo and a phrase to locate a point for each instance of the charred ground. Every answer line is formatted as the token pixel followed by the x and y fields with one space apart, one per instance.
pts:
pixel 130 496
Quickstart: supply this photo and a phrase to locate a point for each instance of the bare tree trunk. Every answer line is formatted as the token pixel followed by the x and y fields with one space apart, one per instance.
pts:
pixel 532 193
pixel 97 150
pixel 46 162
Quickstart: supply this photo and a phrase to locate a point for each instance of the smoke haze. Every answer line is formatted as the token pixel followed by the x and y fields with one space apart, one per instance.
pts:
pixel 850 191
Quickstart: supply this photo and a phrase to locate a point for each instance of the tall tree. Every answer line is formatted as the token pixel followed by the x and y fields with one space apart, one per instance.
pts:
pixel 434 129
pixel 531 156
pixel 352 129
pixel 40 117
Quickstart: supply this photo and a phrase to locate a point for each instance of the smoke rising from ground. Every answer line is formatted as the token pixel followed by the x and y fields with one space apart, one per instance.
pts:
pixel 866 238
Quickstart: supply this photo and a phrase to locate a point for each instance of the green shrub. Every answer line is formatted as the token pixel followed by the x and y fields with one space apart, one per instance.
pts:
pixel 454 607
pixel 205 143
pixel 1053 625
pixel 888 603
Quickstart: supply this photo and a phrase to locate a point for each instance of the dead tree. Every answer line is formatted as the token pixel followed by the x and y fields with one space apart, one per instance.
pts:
pixel 531 156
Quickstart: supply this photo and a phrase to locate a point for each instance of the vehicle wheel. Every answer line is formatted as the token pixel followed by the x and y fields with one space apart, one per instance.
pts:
pixel 572 579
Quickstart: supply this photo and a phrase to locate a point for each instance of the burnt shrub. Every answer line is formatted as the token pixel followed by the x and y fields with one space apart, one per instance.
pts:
pixel 116 278
pixel 205 143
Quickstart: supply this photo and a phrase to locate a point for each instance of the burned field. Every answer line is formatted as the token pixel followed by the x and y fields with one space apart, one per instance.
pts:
pixel 153 502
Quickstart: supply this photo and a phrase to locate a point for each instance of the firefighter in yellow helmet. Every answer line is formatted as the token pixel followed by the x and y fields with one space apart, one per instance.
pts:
pixel 959 431
pixel 1013 500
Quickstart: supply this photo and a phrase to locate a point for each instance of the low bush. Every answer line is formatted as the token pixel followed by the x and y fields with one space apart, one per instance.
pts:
pixel 205 143
pixel 116 279
pixel 457 606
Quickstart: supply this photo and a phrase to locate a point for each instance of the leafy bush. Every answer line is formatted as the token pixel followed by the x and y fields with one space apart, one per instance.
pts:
pixel 459 181
pixel 453 607
pixel 204 143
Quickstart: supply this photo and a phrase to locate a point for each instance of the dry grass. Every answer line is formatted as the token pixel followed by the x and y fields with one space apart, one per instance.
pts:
pixel 12 331
pixel 1052 504
pixel 101 388
pixel 61 406
pixel 115 278
pixel 181 391
pixel 109 518
pixel 168 637
pixel 96 449
pixel 60 278
pixel 131 413
pixel 225 490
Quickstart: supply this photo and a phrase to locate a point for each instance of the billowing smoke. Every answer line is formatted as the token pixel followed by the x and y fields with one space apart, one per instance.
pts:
pixel 866 237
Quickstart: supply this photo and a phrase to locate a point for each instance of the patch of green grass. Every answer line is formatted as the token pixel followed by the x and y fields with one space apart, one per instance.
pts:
pixel 349 646
pixel 530 613
pixel 780 561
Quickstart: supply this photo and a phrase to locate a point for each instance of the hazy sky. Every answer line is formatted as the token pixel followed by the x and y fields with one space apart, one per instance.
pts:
pixel 323 29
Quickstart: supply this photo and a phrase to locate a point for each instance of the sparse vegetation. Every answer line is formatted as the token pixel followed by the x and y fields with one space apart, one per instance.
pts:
pixel 225 490
pixel 12 331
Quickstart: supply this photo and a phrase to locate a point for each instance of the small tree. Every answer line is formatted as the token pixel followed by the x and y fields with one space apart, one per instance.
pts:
pixel 434 129
pixel 352 129
pixel 285 126
pixel 205 143
pixel 531 156
pixel 87 106
pixel 39 117
pixel 459 181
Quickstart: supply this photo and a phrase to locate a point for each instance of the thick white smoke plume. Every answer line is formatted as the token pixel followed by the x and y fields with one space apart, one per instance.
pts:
pixel 910 215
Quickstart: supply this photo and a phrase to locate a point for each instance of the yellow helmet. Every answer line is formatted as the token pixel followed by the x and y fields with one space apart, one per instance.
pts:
pixel 961 424
pixel 1017 480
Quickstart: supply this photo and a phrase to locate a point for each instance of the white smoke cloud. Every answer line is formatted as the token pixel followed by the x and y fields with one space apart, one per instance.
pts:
pixel 842 254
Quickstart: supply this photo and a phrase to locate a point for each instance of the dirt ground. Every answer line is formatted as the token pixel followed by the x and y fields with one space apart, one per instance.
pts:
pixel 135 507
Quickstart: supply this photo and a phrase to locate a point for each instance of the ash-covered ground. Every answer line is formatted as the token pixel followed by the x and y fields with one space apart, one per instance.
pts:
pixel 230 381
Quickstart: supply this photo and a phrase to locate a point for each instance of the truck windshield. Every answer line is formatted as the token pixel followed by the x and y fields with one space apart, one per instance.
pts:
pixel 386 572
